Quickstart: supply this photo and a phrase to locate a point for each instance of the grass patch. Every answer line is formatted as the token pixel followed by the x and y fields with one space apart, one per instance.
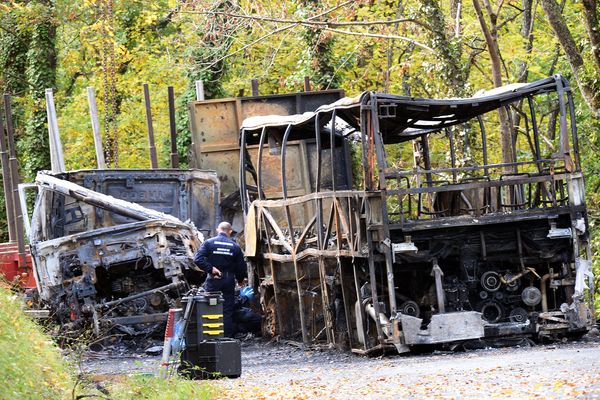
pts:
pixel 32 367
pixel 150 387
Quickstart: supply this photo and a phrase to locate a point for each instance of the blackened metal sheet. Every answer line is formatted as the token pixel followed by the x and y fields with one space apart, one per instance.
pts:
pixel 405 117
pixel 187 195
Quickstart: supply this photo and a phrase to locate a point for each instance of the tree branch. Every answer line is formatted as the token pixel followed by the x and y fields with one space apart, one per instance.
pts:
pixel 307 22
pixel 376 35
pixel 278 30
pixel 310 22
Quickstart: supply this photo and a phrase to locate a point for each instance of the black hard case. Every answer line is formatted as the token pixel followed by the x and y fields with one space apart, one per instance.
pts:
pixel 212 359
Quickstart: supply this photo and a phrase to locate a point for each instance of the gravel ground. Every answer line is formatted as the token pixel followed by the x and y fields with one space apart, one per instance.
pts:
pixel 276 371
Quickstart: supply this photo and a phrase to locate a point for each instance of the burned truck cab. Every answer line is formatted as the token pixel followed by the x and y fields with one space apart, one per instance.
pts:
pixel 115 248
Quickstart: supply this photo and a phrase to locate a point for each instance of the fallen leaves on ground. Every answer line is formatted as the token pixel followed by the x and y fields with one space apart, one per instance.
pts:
pixel 535 373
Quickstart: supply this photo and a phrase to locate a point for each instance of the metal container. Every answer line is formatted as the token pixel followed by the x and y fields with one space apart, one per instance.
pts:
pixel 212 359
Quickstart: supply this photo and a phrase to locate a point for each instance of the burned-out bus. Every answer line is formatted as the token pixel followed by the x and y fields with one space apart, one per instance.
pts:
pixel 385 221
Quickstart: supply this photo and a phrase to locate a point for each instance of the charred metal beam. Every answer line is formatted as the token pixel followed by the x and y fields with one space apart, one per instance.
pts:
pixel 483 246
pixel 307 84
pixel 452 153
pixel 57 159
pixel 264 212
pixel 482 184
pixel 137 319
pixel 564 137
pixel 303 327
pixel 369 135
pixel 174 285
pixel 332 150
pixel 574 130
pixel 439 287
pixel 536 132
pixel 426 158
pixel 254 85
pixel 364 127
pixel 259 163
pixel 100 162
pixel 385 228
pixel 467 220
pixel 552 161
pixel 284 184
pixel 311 252
pixel 242 173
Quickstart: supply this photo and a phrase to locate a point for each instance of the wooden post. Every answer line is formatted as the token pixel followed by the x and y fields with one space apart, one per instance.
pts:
pixel 199 91
pixel 173 129
pixel 254 84
pixel 153 158
pixel 7 184
pixel 57 159
pixel 14 169
pixel 101 163
pixel 307 84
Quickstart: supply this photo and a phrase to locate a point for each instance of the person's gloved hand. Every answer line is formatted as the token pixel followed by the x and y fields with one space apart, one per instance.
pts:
pixel 247 292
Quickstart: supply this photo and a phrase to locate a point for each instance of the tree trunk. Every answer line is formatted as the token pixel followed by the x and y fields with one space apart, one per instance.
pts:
pixel 390 50
pixel 13 54
pixel 527 33
pixel 448 52
pixel 556 20
pixel 491 39
pixel 593 29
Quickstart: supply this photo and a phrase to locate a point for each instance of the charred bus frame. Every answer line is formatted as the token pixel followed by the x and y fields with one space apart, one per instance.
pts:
pixel 375 256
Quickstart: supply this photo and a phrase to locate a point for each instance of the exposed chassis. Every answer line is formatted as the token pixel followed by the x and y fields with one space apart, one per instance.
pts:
pixel 380 256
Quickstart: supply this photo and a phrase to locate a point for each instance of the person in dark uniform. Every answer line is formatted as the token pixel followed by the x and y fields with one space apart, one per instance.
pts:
pixel 245 320
pixel 223 261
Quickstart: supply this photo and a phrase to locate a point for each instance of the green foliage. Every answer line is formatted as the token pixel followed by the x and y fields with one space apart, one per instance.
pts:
pixel 206 63
pixel 41 74
pixel 13 62
pixel 14 41
pixel 31 366
pixel 168 42
pixel 316 61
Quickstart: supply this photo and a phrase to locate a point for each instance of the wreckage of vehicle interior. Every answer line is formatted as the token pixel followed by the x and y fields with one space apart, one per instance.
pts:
pixel 386 221
pixel 110 247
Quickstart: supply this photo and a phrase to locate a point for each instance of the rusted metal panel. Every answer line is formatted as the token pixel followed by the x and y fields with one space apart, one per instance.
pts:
pixel 215 127
pixel 10 271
